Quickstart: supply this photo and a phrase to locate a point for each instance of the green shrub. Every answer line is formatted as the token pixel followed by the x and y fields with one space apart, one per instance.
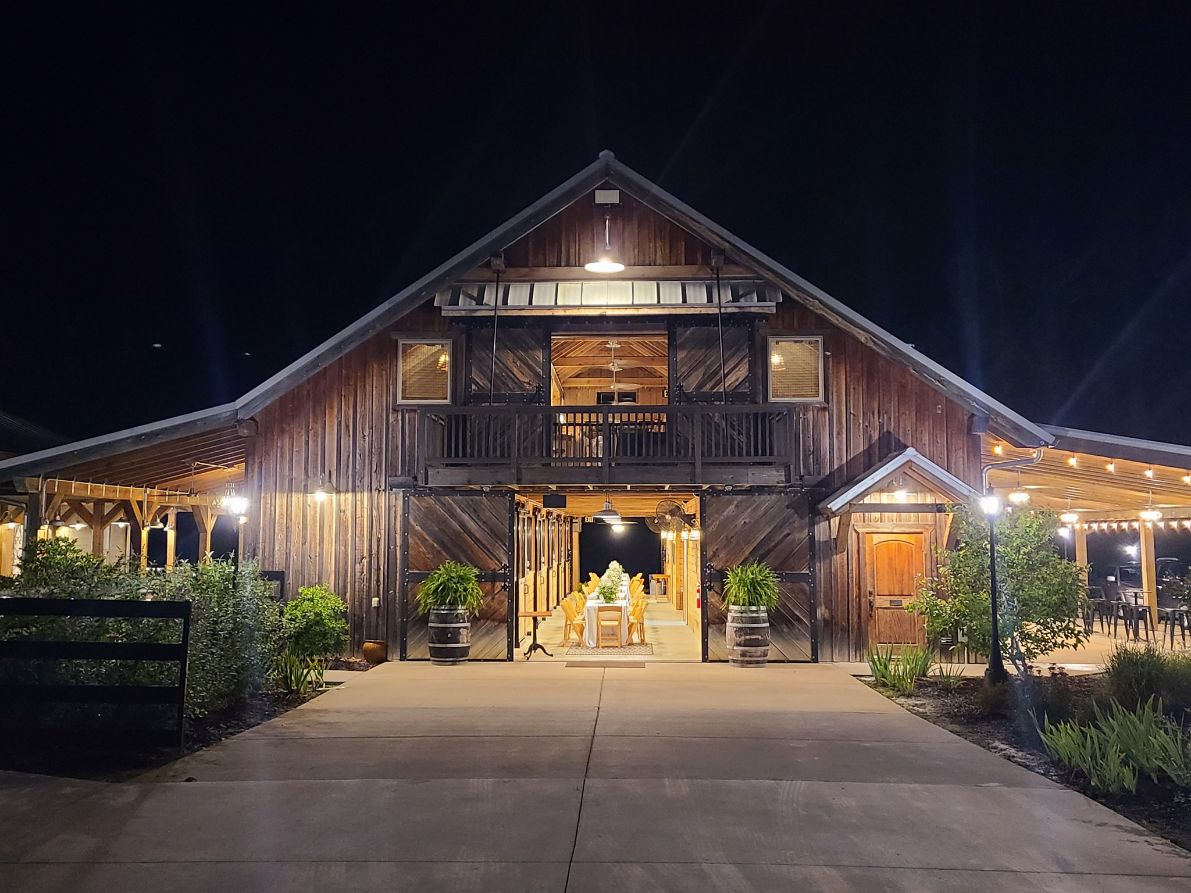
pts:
pixel 949 677
pixel 1121 744
pixel 1137 673
pixel 917 661
pixel 234 628
pixel 751 585
pixel 880 664
pixel 451 586
pixel 313 623
pixel 297 675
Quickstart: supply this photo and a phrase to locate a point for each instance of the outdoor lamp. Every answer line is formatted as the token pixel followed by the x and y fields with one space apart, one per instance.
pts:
pixel 996 673
pixel 990 505
pixel 236 505
pixel 606 263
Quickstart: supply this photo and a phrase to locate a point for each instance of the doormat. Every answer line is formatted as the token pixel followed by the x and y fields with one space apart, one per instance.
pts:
pixel 607 664
pixel 584 651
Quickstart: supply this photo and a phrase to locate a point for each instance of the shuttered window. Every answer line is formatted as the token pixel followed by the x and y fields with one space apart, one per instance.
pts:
pixel 424 372
pixel 796 369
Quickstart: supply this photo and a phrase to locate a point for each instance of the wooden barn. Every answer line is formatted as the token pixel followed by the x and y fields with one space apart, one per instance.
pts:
pixel 607 347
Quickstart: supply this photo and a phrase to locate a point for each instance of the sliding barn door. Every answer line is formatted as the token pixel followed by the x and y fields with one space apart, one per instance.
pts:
pixel 472 527
pixel 520 368
pixel 773 528
pixel 698 377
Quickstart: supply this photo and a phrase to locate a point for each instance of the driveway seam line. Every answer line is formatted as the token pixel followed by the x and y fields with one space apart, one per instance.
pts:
pixel 583 784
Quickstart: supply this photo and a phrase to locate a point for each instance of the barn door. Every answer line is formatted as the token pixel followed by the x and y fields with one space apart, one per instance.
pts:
pixel 698 377
pixel 773 528
pixel 472 527
pixel 520 368
pixel 894 564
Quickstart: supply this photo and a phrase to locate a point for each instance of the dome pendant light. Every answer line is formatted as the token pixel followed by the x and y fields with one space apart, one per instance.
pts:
pixel 606 263
pixel 607 514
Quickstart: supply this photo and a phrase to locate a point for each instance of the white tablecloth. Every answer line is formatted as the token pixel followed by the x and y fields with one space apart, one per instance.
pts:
pixel 590 627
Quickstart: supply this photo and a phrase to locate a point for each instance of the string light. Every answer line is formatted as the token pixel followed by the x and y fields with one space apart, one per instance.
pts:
pixel 1073 460
pixel 1187 478
pixel 1111 467
pixel 999 450
pixel 1149 472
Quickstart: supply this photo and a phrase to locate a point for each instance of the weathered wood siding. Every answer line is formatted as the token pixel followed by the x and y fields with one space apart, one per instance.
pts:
pixel 339 423
pixel 640 237
pixel 874 407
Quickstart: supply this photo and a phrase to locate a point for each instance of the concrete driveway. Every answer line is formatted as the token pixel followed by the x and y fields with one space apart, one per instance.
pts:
pixel 548 778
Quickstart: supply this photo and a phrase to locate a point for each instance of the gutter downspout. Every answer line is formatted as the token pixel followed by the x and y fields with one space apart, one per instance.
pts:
pixel 1008 463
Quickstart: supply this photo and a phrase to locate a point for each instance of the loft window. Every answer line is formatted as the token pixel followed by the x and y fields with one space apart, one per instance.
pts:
pixel 796 370
pixel 608 398
pixel 423 371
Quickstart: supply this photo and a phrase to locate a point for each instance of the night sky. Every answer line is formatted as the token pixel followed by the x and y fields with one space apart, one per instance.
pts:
pixel 1011 194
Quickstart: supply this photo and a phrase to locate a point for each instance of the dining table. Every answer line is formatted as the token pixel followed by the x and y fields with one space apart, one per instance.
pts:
pixel 591 628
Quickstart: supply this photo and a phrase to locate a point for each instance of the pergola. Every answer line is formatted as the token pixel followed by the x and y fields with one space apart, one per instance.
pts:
pixel 1102 483
pixel 139 479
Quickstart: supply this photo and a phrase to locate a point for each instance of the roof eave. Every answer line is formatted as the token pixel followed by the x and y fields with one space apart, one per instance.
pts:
pixel 1117 446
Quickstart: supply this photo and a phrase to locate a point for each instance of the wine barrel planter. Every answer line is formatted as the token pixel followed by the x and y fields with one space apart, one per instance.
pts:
pixel 450 636
pixel 375 651
pixel 748 637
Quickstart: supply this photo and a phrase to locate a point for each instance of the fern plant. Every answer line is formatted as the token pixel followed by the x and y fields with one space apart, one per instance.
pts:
pixel 751 585
pixel 452 586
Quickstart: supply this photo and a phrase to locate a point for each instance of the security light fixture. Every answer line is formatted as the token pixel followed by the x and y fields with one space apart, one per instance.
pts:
pixel 606 262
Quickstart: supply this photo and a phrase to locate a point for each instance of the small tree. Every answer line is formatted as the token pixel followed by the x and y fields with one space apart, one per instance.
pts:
pixel 313 623
pixel 1040 595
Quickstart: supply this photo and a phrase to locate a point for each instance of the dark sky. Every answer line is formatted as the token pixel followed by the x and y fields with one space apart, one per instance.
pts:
pixel 1011 193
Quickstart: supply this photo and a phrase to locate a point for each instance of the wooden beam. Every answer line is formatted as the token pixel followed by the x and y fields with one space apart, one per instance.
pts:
pixel 202 520
pixel 171 539
pixel 578 274
pixel 1149 570
pixel 98 511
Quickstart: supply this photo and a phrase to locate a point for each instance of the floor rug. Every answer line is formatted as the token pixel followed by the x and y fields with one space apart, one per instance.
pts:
pixel 633 650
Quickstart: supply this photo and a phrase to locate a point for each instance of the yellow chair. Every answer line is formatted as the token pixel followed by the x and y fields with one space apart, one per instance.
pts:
pixel 608 616
pixel 637 622
pixel 571 621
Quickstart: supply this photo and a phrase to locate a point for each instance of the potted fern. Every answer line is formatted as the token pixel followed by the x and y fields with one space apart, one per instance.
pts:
pixel 750 592
pixel 451 596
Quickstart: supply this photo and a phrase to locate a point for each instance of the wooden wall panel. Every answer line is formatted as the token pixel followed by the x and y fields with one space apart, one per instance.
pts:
pixel 640 237
pixel 698 362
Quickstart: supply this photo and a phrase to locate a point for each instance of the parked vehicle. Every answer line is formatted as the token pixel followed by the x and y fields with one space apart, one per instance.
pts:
pixel 1123 581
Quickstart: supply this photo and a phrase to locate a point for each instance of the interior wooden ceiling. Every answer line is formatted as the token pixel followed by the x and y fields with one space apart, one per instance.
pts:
pixel 631 504
pixel 1089 486
pixel 585 359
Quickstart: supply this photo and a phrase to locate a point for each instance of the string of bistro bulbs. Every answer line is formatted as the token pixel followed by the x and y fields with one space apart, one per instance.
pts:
pixel 1149 516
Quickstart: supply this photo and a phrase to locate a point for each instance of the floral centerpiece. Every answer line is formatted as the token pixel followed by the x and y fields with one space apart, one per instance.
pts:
pixel 609 588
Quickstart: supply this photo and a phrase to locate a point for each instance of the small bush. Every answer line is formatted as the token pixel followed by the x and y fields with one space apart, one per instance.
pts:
pixel 298 675
pixel 993 699
pixel 900 673
pixel 880 664
pixel 1137 673
pixel 949 677
pixel 313 623
pixel 1120 745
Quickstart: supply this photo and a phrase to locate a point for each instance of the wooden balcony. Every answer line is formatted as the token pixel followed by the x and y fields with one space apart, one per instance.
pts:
pixel 766 444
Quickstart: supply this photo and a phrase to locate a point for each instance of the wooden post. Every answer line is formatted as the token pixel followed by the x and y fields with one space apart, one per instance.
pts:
pixel 171 538
pixel 1081 546
pixel 144 548
pixel 203 520
pixel 1149 569
pixel 98 510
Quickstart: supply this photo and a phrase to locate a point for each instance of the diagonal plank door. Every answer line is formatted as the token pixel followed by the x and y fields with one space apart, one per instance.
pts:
pixel 475 528
pixel 773 528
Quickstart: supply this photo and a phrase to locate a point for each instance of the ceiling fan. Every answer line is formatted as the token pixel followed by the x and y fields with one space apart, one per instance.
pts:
pixel 616 367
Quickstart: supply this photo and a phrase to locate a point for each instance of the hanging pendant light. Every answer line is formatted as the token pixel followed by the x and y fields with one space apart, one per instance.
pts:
pixel 607 514
pixel 1149 513
pixel 1019 496
pixel 606 262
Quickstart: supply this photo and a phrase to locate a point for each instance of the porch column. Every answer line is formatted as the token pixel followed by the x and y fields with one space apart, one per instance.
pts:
pixel 98 510
pixel 171 539
pixel 1080 534
pixel 1149 568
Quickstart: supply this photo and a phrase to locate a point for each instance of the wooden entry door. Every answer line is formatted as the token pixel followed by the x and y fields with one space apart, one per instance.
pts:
pixel 895 564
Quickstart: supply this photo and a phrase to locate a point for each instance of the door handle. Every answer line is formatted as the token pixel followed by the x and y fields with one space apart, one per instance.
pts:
pixel 871 602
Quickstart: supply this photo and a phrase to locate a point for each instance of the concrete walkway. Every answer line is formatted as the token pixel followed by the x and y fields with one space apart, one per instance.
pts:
pixel 548 778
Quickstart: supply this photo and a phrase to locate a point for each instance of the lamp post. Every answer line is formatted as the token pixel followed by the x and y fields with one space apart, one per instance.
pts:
pixel 991 506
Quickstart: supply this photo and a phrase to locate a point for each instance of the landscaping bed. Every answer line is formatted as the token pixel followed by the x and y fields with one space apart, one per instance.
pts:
pixel 123 763
pixel 1005 726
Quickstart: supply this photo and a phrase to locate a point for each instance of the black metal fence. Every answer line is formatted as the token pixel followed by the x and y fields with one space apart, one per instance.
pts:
pixel 40 694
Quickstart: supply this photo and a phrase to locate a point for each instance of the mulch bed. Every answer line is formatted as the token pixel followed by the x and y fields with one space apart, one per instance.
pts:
pixel 96 763
pixel 1163 809
pixel 349 663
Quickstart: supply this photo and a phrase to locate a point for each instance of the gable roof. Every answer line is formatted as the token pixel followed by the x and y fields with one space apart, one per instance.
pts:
pixel 908 459
pixel 605 169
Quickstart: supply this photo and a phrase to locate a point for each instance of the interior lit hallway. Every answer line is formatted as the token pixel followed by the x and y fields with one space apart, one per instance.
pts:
pixel 670 637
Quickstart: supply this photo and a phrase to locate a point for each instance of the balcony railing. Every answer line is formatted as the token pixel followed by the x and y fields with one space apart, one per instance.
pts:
pixel 746 444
